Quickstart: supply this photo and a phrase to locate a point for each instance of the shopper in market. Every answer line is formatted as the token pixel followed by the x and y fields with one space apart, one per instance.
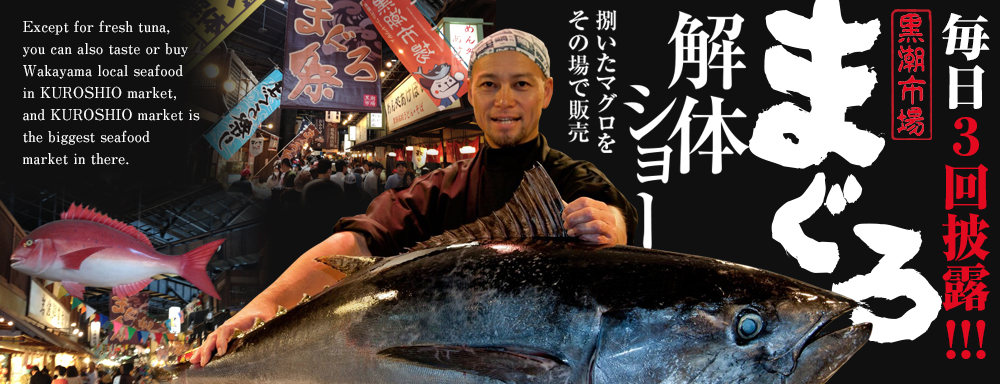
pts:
pixel 39 376
pixel 510 85
pixel 60 375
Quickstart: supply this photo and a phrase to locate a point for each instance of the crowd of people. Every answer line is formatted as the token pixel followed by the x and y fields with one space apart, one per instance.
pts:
pixel 124 374
pixel 351 184
pixel 306 202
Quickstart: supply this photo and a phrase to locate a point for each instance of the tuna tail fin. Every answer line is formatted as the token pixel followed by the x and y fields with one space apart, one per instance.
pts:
pixel 193 267
pixel 348 264
pixel 535 210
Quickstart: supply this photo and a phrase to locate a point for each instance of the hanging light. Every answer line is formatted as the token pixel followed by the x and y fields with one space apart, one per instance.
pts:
pixel 211 71
pixel 409 148
pixel 467 150
pixel 391 154
pixel 432 152
pixel 229 85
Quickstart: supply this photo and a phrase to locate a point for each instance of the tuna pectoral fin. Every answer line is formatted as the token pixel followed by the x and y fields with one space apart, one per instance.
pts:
pixel 348 264
pixel 126 290
pixel 496 363
pixel 75 289
pixel 73 260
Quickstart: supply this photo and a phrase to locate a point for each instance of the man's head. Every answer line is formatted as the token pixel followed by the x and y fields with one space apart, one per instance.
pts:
pixel 377 167
pixel 510 86
pixel 341 164
pixel 286 165
pixel 400 168
pixel 324 168
pixel 245 174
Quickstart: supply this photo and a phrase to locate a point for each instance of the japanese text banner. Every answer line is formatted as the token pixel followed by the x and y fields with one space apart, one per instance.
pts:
pixel 425 53
pixel 238 126
pixel 207 23
pixel 331 57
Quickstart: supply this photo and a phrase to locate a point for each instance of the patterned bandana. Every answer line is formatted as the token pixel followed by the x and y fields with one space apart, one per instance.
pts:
pixel 514 40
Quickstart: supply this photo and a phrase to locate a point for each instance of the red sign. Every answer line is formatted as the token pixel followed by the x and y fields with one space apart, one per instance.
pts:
pixel 421 50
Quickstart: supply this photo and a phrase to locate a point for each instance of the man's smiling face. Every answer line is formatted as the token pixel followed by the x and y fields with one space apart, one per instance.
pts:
pixel 508 94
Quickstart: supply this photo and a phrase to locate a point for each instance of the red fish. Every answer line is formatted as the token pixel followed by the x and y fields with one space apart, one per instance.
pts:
pixel 86 248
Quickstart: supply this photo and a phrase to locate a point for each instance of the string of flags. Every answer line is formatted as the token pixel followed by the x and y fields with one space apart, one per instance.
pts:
pixel 115 327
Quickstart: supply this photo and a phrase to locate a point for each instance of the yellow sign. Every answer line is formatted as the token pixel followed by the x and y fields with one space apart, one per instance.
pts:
pixel 207 23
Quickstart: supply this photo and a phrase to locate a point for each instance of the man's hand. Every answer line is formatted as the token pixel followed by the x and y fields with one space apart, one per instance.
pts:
pixel 304 276
pixel 594 221
pixel 219 339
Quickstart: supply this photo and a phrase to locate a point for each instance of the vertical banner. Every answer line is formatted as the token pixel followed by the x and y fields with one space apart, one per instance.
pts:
pixel 331 57
pixel 238 126
pixel 425 54
pixel 207 22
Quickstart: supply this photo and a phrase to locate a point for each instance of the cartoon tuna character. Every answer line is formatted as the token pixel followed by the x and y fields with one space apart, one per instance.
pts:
pixel 87 248
pixel 442 85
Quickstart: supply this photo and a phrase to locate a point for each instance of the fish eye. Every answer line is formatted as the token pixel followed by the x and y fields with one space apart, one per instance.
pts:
pixel 748 325
pixel 27 243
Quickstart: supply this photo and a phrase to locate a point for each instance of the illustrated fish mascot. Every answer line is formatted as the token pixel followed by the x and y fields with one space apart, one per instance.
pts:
pixel 441 83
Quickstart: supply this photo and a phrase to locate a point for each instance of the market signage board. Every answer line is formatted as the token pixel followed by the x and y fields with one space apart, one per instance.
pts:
pixel 408 103
pixel 331 59
pixel 424 53
pixel 238 126
pixel 46 308
pixel 208 22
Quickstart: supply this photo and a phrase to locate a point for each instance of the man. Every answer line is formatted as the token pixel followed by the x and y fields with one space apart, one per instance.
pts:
pixel 39 377
pixel 243 185
pixel 338 177
pixel 393 181
pixel 371 180
pixel 286 168
pixel 510 85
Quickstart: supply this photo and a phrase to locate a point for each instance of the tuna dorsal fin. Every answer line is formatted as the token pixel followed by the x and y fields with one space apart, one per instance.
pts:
pixel 78 212
pixel 509 366
pixel 535 210
pixel 348 264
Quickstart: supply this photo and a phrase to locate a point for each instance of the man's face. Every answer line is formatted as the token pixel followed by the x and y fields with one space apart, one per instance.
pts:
pixel 508 94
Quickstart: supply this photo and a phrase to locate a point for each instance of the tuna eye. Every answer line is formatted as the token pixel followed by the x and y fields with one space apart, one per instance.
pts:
pixel 749 325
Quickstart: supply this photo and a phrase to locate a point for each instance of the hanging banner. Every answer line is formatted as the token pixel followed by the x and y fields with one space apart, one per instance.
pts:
pixel 331 57
pixel 425 54
pixel 238 126
pixel 299 142
pixel 332 116
pixel 207 22
pixel 256 146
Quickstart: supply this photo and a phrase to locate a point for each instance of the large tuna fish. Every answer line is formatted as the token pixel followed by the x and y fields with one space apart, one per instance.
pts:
pixel 545 310
pixel 86 248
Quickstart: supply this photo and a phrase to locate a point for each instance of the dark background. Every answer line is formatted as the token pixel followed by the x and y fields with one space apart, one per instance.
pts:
pixel 726 216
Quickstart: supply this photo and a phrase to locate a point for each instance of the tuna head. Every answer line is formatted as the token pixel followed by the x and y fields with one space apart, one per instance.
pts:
pixel 734 324
pixel 33 256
